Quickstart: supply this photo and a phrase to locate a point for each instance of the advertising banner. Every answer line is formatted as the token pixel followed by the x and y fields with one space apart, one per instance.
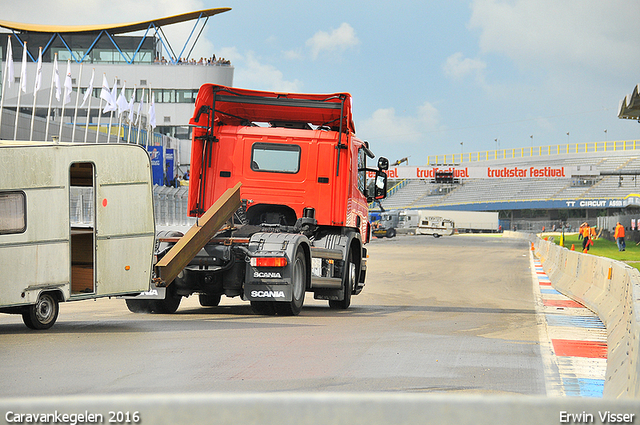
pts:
pixel 157 164
pixel 169 160
pixel 460 172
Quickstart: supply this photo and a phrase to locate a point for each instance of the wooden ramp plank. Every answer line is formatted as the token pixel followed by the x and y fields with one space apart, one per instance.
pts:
pixel 179 256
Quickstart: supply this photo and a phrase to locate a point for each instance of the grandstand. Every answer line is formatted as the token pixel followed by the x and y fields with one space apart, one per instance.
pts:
pixel 604 181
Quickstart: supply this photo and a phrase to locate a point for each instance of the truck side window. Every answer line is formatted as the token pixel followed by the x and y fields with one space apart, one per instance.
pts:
pixel 362 175
pixel 275 158
pixel 13 212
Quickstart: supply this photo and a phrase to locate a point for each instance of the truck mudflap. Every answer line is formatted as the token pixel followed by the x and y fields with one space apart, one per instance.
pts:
pixel 267 292
pixel 269 272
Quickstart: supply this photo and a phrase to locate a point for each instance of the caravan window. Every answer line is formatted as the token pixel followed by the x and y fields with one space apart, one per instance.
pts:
pixel 13 212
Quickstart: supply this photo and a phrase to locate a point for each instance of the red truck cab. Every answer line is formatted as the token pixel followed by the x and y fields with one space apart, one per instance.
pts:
pixel 304 192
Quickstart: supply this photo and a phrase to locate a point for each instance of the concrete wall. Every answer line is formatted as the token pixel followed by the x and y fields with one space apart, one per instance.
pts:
pixel 612 290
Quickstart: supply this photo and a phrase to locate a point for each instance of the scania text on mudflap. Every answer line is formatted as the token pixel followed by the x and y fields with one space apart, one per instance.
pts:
pixel 280 186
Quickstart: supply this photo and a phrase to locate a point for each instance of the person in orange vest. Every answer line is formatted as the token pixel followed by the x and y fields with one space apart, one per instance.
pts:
pixel 586 237
pixel 618 235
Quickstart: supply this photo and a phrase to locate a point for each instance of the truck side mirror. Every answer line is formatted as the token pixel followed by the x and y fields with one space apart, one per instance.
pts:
pixel 383 163
pixel 380 187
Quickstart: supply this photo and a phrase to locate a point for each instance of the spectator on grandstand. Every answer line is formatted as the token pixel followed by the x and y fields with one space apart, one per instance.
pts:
pixel 618 235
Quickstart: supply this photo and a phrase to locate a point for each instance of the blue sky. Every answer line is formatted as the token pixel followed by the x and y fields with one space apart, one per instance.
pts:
pixel 427 77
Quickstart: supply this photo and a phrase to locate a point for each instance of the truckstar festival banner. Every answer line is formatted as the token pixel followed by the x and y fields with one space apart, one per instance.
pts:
pixel 409 172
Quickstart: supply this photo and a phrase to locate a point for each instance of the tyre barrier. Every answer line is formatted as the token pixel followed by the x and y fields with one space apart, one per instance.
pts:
pixel 611 289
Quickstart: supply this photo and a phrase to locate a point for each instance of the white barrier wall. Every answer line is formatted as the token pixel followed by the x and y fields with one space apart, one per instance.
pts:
pixel 612 290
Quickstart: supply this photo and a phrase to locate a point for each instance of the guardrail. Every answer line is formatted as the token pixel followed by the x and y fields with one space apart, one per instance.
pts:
pixel 612 290
pixel 490 155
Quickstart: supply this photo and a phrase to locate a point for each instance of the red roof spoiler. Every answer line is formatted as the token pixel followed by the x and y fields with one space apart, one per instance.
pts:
pixel 241 106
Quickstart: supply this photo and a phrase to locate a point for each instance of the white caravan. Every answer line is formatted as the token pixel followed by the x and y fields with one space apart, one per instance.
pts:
pixel 76 222
pixel 436 226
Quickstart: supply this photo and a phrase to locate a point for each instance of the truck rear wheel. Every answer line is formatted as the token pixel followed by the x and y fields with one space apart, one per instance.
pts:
pixel 42 314
pixel 350 281
pixel 138 306
pixel 169 304
pixel 298 283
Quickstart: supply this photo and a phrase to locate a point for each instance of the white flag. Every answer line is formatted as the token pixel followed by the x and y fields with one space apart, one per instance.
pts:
pixel 56 77
pixel 38 81
pixel 138 117
pixel 107 94
pixel 131 101
pixel 122 101
pixel 152 111
pixel 89 91
pixel 23 71
pixel 68 87
pixel 10 74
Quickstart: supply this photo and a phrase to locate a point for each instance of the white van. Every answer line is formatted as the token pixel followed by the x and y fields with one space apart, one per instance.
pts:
pixel 76 222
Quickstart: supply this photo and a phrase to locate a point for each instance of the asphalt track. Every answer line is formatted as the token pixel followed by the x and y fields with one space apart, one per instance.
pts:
pixel 449 315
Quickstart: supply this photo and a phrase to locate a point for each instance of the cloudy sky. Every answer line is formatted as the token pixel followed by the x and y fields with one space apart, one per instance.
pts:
pixel 427 77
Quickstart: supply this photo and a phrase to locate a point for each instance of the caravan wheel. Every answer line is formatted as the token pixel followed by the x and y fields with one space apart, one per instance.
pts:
pixel 42 314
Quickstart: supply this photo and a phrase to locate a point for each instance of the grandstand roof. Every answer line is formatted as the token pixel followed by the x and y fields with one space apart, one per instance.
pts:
pixel 630 105
pixel 112 28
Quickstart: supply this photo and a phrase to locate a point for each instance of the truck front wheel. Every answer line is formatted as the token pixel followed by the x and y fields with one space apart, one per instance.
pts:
pixel 42 314
pixel 298 283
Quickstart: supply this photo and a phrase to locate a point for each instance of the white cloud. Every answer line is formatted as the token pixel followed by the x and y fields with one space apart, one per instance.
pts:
pixel 458 67
pixel 293 55
pixel 595 34
pixel 250 72
pixel 338 40
pixel 387 126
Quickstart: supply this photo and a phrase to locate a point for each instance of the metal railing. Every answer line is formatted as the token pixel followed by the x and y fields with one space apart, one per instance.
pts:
pixel 170 206
pixel 490 155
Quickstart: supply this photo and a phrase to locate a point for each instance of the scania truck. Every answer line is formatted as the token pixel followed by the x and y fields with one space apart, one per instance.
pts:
pixel 280 188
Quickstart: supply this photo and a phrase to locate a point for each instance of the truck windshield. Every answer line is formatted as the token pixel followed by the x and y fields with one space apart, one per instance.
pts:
pixel 275 158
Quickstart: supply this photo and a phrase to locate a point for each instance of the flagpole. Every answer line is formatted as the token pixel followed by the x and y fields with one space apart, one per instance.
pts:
pixel 53 74
pixel 119 127
pixel 64 100
pixel 75 115
pixel 104 79
pixel 99 116
pixel 120 109
pixel 90 89
pixel 86 126
pixel 139 116
pixel 4 75
pixel 23 75
pixel 130 115
pixel 36 87
pixel 149 122
pixel 111 114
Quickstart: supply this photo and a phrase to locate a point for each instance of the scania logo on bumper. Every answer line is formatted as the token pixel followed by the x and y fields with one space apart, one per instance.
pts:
pixel 267 294
pixel 267 275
